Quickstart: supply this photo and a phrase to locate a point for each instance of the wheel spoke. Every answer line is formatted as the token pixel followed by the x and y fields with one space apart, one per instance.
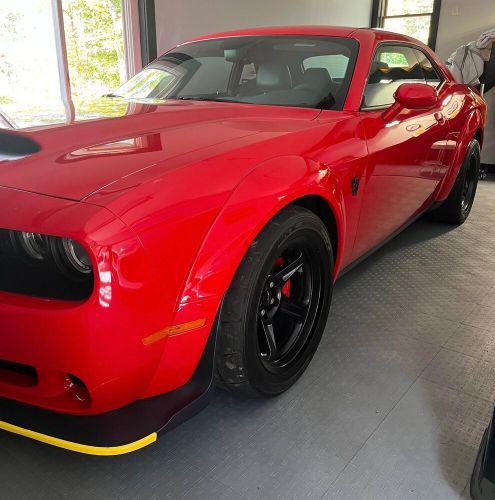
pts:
pixel 270 337
pixel 287 271
pixel 295 311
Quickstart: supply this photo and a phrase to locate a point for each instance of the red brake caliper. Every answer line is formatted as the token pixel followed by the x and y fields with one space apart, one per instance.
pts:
pixel 286 288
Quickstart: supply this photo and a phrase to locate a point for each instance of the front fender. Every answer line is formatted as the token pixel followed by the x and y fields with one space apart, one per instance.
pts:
pixel 258 197
pixel 264 191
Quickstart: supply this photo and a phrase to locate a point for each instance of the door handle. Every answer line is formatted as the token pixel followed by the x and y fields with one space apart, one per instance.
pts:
pixel 440 117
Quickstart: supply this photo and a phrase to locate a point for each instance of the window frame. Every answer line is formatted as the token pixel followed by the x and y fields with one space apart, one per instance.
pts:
pixel 398 44
pixel 378 15
pixel 132 49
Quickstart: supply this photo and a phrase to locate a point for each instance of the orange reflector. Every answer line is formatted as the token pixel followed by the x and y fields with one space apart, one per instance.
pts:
pixel 174 330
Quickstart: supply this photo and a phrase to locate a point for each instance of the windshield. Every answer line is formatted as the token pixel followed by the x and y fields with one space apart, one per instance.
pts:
pixel 302 71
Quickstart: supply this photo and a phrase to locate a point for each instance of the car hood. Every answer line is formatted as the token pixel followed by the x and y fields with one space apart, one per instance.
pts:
pixel 74 160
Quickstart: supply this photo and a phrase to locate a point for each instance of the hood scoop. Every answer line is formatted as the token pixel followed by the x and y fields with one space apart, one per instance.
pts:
pixel 14 146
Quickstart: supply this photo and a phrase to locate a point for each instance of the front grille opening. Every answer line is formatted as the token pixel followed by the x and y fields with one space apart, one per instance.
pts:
pixel 18 374
pixel 25 276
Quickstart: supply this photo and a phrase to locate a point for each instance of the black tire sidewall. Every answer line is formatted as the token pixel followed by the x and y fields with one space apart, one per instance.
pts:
pixel 310 227
pixel 473 150
pixel 450 211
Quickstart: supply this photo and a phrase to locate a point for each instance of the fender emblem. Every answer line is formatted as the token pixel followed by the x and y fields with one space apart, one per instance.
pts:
pixel 355 185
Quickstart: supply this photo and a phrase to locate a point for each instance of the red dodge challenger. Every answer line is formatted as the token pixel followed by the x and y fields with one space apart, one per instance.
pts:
pixel 197 236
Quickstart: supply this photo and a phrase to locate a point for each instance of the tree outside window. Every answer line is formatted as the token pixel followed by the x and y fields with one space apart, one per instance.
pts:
pixel 29 73
pixel 415 18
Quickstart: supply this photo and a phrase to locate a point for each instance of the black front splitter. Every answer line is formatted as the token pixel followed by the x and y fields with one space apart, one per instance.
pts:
pixel 120 431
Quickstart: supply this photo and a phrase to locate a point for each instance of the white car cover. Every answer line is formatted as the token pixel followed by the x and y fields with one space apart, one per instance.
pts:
pixel 467 63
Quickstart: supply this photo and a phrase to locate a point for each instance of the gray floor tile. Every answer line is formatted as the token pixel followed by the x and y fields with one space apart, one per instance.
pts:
pixel 475 342
pixel 482 317
pixel 464 373
pixel 424 449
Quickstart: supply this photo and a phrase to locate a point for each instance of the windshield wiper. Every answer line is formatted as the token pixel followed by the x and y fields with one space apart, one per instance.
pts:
pixel 111 94
pixel 196 98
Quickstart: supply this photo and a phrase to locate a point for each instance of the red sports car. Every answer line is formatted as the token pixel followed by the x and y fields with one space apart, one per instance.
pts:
pixel 198 235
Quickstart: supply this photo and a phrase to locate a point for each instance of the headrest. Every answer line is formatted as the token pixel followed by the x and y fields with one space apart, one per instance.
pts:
pixel 273 75
pixel 376 65
pixel 317 78
pixel 377 71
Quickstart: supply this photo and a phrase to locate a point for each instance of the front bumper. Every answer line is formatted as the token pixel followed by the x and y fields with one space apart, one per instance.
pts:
pixel 121 431
pixel 119 345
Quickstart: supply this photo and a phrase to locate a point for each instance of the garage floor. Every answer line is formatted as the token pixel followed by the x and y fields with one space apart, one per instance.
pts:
pixel 393 405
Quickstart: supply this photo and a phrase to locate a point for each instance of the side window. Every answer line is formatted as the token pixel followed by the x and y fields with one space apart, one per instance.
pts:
pixel 392 66
pixel 211 77
pixel 430 73
pixel 335 64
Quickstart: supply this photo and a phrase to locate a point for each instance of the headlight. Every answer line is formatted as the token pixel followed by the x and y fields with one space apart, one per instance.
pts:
pixel 34 245
pixel 69 256
pixel 77 256
pixel 41 265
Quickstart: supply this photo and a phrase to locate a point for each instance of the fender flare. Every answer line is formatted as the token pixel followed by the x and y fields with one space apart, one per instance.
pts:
pixel 472 125
pixel 265 191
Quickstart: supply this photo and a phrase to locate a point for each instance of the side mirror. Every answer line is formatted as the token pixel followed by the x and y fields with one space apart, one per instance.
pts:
pixel 416 96
pixel 411 96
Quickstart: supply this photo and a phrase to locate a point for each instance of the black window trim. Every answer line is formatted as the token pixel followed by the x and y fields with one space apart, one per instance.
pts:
pixel 379 9
pixel 398 44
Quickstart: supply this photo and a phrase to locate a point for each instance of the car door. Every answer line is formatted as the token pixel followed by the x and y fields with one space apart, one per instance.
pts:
pixel 406 151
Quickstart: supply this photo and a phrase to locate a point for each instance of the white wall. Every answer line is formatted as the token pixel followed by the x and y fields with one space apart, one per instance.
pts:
pixel 179 20
pixel 462 21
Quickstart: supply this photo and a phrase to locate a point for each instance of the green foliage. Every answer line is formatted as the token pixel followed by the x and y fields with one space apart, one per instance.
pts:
pixel 393 58
pixel 95 48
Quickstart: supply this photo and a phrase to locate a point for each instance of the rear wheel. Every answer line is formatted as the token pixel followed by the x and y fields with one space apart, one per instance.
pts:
pixel 456 208
pixel 275 311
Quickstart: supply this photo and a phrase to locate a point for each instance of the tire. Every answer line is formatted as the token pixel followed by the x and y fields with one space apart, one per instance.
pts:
pixel 285 280
pixel 456 208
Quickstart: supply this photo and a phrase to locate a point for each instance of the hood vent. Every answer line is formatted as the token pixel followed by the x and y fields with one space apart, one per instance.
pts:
pixel 15 146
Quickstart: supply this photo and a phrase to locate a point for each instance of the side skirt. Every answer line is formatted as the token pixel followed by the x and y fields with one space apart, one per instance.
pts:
pixel 358 261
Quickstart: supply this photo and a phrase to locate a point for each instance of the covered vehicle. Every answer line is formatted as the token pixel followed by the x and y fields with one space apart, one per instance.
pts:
pixel 198 234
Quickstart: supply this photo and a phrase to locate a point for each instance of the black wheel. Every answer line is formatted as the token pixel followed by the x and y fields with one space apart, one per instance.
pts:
pixel 276 308
pixel 455 209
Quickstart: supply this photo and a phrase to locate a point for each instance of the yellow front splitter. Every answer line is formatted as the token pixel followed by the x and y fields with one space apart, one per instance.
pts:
pixel 104 451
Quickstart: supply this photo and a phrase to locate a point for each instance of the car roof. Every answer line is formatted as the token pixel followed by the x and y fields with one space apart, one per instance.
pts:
pixel 372 34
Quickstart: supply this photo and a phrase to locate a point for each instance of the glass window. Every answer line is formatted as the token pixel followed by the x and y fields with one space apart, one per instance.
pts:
pixel 94 35
pixel 272 70
pixel 417 27
pixel 32 59
pixel 210 77
pixel 409 17
pixel 336 65
pixel 431 75
pixel 401 7
pixel 392 66
pixel 29 82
